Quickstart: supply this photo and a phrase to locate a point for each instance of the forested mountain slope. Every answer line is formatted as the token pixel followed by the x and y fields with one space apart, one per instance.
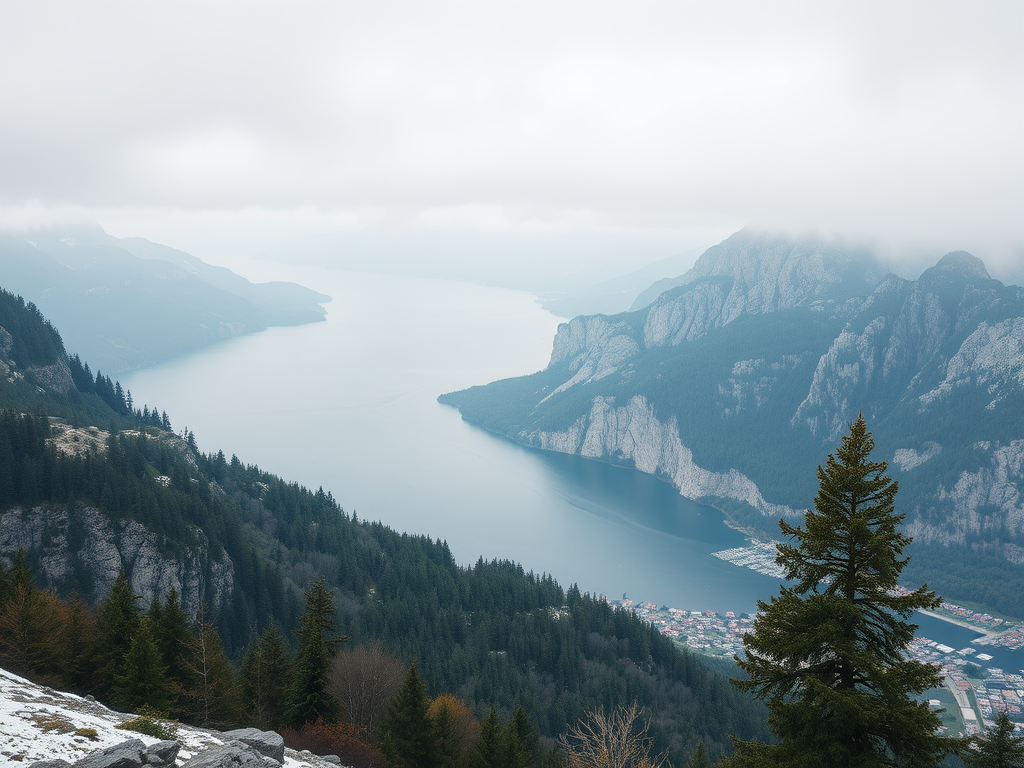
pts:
pixel 126 303
pixel 107 487
pixel 734 384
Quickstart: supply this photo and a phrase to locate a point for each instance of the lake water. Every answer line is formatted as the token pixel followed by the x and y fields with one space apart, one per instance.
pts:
pixel 350 404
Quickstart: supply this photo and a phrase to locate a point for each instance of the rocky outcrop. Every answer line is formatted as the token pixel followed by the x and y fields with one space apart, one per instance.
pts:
pixel 127 754
pixel 909 458
pixel 767 272
pixel 841 380
pixel 750 273
pixel 69 541
pixel 133 753
pixel 593 348
pixel 987 502
pixel 633 433
pixel 234 754
pixel 992 357
pixel 55 377
pixel 267 743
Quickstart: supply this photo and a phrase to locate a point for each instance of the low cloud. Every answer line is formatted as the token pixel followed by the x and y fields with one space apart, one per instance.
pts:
pixel 895 122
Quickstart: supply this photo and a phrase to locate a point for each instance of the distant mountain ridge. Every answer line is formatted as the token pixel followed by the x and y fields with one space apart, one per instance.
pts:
pixel 736 382
pixel 127 303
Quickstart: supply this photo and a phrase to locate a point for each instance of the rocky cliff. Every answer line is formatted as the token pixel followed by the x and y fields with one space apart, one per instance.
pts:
pixel 79 547
pixel 739 379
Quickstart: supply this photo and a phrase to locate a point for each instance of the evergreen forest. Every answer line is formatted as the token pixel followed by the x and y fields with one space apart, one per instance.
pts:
pixel 508 650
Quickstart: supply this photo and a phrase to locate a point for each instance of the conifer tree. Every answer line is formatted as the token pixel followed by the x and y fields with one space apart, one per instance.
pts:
pixel 487 750
pixel 410 740
pixel 1000 747
pixel 116 624
pixel 826 654
pixel 142 679
pixel 698 759
pixel 456 731
pixel 79 640
pixel 173 635
pixel 211 696
pixel 31 626
pixel 308 698
pixel 519 741
pixel 266 671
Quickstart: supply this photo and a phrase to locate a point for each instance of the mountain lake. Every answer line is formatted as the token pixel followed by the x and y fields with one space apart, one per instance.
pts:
pixel 350 405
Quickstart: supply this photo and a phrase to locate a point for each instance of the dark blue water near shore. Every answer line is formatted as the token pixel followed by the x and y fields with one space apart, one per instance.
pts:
pixel 350 405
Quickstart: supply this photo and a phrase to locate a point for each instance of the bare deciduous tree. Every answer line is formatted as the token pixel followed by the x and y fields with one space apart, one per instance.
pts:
pixel 364 679
pixel 618 740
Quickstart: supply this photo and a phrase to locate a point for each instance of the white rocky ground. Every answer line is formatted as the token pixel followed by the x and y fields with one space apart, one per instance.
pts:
pixel 39 723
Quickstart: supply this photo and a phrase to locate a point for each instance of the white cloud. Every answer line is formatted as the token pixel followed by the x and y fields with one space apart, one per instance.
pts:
pixel 900 121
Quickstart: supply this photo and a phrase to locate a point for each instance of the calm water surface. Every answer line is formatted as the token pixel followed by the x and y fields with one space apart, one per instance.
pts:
pixel 351 405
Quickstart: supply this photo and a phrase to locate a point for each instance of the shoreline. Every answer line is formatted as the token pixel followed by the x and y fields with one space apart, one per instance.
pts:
pixel 985 636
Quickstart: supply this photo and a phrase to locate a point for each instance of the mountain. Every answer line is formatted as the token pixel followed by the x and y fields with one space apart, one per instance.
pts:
pixel 89 485
pixel 127 303
pixel 736 382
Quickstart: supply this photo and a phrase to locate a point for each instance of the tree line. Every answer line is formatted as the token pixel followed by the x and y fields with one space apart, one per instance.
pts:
pixel 490 634
pixel 362 704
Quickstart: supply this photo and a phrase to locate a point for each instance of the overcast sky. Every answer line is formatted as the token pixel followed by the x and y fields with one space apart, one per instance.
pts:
pixel 236 126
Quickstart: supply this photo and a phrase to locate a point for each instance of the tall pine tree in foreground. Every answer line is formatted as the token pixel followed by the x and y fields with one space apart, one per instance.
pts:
pixel 826 655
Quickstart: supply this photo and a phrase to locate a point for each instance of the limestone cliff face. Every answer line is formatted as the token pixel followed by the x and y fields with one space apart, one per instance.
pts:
pixel 592 348
pixel 987 502
pixel 750 273
pixel 756 273
pixel 772 271
pixel 756 361
pixel 55 377
pixel 633 433
pixel 992 358
pixel 905 331
pixel 79 543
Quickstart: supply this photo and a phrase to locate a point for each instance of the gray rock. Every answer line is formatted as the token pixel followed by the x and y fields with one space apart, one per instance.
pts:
pixel 267 743
pixel 232 755
pixel 55 763
pixel 108 545
pixel 162 753
pixel 333 759
pixel 127 754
